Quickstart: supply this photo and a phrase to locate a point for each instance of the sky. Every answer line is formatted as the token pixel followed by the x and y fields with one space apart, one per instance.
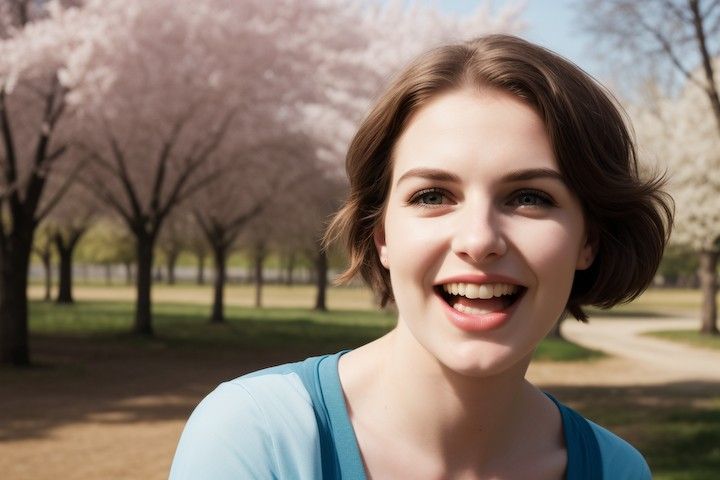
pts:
pixel 551 23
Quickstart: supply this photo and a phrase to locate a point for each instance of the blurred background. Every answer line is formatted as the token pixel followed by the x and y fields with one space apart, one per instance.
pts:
pixel 166 170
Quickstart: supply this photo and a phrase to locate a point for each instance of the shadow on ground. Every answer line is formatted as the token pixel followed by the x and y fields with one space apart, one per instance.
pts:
pixel 676 425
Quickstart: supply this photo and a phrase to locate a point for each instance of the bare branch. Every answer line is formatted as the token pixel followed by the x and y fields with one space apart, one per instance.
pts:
pixel 98 158
pixel 708 12
pixel 667 47
pixel 677 12
pixel 165 155
pixel 52 203
pixel 711 88
pixel 200 152
pixel 122 171
pixel 95 186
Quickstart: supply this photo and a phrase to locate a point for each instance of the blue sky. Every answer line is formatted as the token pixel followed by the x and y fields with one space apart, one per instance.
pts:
pixel 550 23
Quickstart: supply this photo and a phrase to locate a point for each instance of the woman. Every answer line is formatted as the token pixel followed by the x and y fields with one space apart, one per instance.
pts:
pixel 493 188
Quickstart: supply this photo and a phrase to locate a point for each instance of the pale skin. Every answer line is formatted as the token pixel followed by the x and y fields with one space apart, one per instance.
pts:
pixel 475 190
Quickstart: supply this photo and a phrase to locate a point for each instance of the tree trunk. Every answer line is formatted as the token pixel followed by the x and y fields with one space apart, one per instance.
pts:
pixel 65 251
pixel 171 262
pixel 220 257
pixel 47 267
pixel 65 273
pixel 290 269
pixel 128 273
pixel 201 269
pixel 321 269
pixel 708 283
pixel 258 263
pixel 108 274
pixel 158 277
pixel 143 315
pixel 14 266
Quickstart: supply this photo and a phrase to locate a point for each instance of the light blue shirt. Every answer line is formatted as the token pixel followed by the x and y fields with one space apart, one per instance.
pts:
pixel 291 422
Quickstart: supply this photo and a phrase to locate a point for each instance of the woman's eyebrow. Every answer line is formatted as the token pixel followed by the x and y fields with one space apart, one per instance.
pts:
pixel 531 174
pixel 515 176
pixel 430 174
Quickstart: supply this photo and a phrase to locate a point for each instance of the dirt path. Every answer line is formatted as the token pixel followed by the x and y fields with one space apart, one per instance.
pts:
pixel 636 359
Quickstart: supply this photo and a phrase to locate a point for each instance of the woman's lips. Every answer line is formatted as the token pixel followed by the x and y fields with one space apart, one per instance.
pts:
pixel 478 315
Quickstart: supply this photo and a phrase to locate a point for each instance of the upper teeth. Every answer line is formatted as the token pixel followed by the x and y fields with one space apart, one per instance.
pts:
pixel 486 290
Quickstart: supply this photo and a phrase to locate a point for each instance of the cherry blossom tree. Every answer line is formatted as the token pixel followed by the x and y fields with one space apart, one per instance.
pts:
pixel 34 133
pixel 679 134
pixel 165 101
pixel 66 225
pixel 251 189
pixel 674 41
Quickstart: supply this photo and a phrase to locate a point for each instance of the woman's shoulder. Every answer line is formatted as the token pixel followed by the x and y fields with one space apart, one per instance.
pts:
pixel 260 425
pixel 620 460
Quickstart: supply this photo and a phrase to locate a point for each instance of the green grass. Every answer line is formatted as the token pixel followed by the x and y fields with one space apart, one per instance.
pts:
pixel 558 350
pixel 689 337
pixel 186 326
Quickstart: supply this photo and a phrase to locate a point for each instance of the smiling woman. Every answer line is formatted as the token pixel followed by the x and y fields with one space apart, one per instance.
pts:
pixel 493 188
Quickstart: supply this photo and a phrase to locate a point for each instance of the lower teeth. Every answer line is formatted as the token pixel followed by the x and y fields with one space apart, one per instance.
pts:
pixel 470 310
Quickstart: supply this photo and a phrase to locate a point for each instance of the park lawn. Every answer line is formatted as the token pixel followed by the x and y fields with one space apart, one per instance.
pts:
pixel 689 337
pixel 558 350
pixel 185 326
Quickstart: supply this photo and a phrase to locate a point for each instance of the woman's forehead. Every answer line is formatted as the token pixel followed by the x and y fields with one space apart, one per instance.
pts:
pixel 463 128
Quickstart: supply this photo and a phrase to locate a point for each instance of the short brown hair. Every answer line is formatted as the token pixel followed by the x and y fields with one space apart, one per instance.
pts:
pixel 628 219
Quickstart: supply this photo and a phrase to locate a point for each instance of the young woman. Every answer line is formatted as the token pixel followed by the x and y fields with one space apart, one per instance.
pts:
pixel 493 188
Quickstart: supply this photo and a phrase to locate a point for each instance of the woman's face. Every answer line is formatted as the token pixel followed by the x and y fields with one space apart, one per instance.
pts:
pixel 481 235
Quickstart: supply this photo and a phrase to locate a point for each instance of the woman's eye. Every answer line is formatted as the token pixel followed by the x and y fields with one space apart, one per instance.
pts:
pixel 431 197
pixel 532 198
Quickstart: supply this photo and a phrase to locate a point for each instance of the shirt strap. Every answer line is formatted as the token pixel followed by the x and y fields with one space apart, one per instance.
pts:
pixel 583 450
pixel 309 373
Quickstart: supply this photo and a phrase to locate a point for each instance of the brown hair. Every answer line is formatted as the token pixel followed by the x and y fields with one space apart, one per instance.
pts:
pixel 628 219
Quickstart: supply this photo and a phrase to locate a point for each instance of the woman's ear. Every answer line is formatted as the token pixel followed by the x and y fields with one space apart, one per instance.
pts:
pixel 587 253
pixel 380 245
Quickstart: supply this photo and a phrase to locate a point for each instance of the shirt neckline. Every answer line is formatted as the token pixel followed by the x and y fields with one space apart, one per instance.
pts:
pixel 346 445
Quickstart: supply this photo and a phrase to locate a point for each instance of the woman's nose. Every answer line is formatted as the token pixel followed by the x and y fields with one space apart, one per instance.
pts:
pixel 478 234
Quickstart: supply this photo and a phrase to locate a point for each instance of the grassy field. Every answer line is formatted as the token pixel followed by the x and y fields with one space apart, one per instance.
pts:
pixel 689 337
pixel 653 302
pixel 86 357
pixel 185 326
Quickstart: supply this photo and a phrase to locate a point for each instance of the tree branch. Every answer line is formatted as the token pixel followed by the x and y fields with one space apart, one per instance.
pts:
pixel 10 155
pixel 52 203
pixel 164 157
pixel 95 186
pixel 711 88
pixel 122 171
pixel 710 8
pixel 669 50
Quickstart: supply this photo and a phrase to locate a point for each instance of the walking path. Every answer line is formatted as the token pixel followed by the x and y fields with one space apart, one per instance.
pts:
pixel 636 359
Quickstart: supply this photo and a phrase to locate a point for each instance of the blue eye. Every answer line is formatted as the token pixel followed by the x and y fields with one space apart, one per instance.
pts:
pixel 532 198
pixel 430 197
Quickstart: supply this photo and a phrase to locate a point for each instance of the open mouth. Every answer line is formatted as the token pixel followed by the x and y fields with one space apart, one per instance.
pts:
pixel 480 299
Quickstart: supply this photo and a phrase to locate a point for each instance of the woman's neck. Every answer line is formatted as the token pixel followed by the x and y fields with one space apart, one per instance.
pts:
pixel 396 386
